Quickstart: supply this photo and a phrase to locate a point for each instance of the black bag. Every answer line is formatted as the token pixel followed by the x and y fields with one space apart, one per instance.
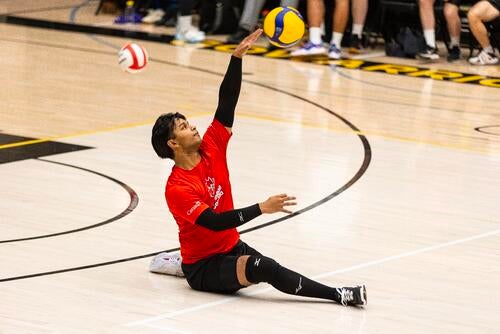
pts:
pixel 407 44
pixel 220 16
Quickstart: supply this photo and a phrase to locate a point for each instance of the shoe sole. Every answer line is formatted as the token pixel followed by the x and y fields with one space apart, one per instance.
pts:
pixel 364 297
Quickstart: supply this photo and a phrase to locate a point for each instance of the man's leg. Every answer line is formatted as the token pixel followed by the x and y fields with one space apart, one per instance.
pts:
pixel 340 17
pixel 315 14
pixel 359 10
pixel 481 12
pixel 258 268
pixel 426 8
pixel 453 23
pixel 248 20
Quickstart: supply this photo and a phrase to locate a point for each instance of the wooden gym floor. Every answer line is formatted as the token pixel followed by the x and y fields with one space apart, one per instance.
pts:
pixel 398 181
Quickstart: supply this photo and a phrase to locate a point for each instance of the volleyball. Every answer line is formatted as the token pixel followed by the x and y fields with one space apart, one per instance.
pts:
pixel 132 58
pixel 284 26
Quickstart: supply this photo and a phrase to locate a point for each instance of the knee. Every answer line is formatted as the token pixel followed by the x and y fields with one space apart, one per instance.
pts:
pixel 260 269
pixel 473 15
pixel 450 11
pixel 426 4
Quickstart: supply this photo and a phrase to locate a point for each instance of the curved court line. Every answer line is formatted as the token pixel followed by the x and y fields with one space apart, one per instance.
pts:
pixel 480 129
pixel 134 200
pixel 342 74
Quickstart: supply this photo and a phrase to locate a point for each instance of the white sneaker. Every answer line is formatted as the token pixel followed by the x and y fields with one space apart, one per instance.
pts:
pixel 154 15
pixel 334 52
pixel 190 36
pixel 167 263
pixel 484 58
pixel 309 49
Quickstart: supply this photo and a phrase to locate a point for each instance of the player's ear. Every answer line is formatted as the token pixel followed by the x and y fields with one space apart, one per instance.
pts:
pixel 172 143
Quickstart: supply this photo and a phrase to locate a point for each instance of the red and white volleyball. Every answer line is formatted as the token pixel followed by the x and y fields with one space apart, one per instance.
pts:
pixel 132 58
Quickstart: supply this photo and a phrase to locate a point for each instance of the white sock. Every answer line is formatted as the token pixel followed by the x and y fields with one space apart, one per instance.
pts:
pixel 430 38
pixel 315 35
pixel 455 41
pixel 336 39
pixel 488 49
pixel 183 23
pixel 357 29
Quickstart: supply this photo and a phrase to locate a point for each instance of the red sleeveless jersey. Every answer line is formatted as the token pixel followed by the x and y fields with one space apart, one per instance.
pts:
pixel 190 192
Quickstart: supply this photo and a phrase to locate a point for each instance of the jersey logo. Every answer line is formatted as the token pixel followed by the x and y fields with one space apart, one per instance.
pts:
pixel 216 195
pixel 195 206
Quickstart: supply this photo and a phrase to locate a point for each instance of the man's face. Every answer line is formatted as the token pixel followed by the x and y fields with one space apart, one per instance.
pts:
pixel 186 135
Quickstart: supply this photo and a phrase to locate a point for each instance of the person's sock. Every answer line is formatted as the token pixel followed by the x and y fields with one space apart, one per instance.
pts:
pixel 315 35
pixel 430 37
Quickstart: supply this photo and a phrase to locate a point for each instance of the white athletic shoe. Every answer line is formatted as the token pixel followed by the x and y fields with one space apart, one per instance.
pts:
pixel 334 52
pixel 484 58
pixel 167 263
pixel 190 36
pixel 309 49
pixel 154 15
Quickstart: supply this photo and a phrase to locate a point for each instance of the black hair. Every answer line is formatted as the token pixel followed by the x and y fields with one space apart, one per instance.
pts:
pixel 163 131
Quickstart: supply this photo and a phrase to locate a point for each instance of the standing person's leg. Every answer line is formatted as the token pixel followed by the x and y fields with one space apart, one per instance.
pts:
pixel 453 23
pixel 340 17
pixel 185 30
pixel 257 268
pixel 426 8
pixel 248 20
pixel 483 11
pixel 359 10
pixel 291 3
pixel 315 14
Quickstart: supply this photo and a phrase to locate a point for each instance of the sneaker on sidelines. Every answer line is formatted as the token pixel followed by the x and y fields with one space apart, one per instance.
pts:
pixel 190 36
pixel 356 46
pixel 355 296
pixel 484 58
pixel 309 49
pixel 154 15
pixel 167 263
pixel 334 52
pixel 238 36
pixel 430 53
pixel 454 53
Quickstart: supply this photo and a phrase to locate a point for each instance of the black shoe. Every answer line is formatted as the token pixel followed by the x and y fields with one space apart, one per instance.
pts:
pixel 454 53
pixel 355 296
pixel 356 45
pixel 430 53
pixel 238 36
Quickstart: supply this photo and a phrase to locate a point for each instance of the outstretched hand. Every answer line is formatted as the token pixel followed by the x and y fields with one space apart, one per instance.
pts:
pixel 277 203
pixel 246 44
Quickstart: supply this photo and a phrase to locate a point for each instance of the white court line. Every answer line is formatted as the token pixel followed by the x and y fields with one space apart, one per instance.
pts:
pixel 331 273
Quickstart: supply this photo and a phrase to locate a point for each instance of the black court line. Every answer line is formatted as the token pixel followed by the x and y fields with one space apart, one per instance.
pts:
pixel 481 129
pixel 134 200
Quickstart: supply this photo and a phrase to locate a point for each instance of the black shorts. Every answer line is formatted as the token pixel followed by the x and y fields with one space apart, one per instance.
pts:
pixel 217 273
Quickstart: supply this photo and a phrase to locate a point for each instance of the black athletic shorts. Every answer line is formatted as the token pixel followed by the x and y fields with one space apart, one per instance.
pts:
pixel 217 273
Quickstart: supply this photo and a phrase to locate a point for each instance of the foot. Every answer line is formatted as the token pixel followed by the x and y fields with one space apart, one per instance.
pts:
pixel 154 15
pixel 309 49
pixel 355 296
pixel 190 36
pixel 484 58
pixel 356 46
pixel 454 53
pixel 167 263
pixel 334 52
pixel 430 53
pixel 238 36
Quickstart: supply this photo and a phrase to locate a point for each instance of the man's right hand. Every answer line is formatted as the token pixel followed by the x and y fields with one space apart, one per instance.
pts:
pixel 277 203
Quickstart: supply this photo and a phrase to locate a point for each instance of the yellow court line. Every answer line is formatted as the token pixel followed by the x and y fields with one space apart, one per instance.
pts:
pixel 256 117
pixel 83 133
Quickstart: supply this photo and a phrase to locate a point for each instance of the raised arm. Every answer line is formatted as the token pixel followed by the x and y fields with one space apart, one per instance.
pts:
pixel 229 90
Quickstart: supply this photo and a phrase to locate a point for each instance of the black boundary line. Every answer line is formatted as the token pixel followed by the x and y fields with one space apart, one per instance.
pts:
pixel 134 200
pixel 356 177
pixel 480 129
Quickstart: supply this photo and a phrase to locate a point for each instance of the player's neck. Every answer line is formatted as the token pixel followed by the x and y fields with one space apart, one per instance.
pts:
pixel 187 161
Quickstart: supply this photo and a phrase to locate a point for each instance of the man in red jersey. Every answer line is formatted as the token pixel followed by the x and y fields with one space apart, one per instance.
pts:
pixel 198 195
